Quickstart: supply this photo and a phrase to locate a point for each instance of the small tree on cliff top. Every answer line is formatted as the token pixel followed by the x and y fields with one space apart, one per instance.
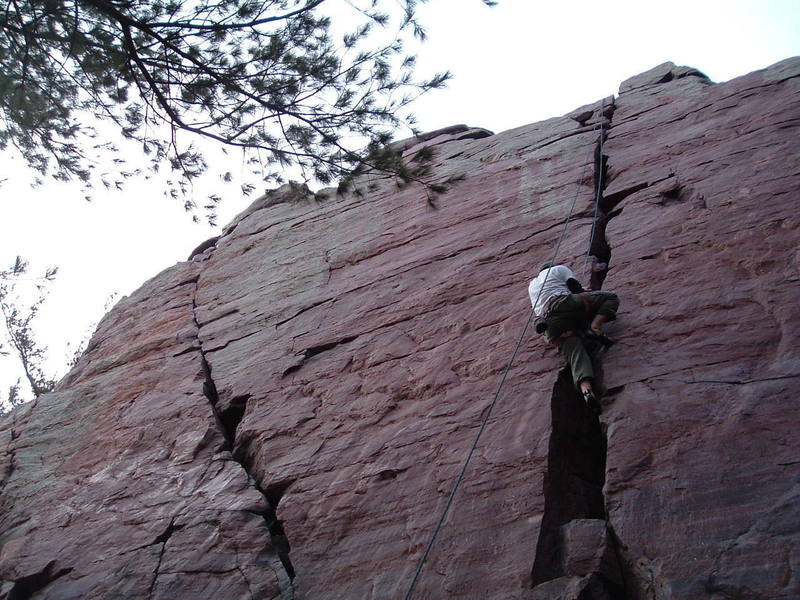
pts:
pixel 264 76
pixel 18 338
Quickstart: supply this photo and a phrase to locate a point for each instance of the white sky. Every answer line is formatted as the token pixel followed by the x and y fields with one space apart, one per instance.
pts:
pixel 520 62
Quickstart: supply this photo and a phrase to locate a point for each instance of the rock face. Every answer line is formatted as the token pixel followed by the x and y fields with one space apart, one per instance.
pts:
pixel 285 414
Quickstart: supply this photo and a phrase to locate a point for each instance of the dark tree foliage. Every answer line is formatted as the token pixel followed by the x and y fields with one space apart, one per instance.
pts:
pixel 18 317
pixel 264 76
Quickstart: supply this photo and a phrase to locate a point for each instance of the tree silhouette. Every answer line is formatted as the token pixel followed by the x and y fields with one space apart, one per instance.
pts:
pixel 19 338
pixel 264 76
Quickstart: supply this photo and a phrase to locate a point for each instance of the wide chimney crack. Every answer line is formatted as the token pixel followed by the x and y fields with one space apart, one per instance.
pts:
pixel 228 420
pixel 573 483
pixel 576 469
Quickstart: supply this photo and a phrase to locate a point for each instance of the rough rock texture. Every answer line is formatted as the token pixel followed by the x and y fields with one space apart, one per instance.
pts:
pixel 703 444
pixel 284 415
pixel 120 484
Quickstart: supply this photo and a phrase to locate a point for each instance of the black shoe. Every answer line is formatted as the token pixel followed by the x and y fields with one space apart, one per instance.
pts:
pixel 592 403
pixel 601 337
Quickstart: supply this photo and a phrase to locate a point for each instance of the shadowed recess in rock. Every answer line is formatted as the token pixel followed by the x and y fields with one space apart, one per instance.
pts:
pixel 232 415
pixel 573 485
pixel 25 587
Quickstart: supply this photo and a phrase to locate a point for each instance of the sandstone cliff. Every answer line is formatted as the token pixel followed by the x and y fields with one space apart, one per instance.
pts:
pixel 284 414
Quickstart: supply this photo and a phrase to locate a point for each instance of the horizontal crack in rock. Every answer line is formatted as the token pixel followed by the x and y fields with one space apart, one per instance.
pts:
pixel 728 382
pixel 314 351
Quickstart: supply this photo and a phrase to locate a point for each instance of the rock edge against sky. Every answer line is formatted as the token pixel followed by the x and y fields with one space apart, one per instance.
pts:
pixel 283 415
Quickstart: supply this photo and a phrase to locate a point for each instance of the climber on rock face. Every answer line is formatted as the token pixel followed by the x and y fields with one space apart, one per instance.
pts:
pixel 573 320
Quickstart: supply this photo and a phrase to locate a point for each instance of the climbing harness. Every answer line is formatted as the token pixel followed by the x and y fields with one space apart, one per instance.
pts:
pixel 489 410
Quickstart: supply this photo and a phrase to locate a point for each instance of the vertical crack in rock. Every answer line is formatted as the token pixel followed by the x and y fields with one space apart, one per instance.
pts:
pixel 573 483
pixel 599 248
pixel 161 539
pixel 229 420
pixel 11 453
pixel 273 494
pixel 11 450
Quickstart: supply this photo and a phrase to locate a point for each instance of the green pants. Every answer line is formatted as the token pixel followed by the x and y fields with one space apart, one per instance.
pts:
pixel 569 319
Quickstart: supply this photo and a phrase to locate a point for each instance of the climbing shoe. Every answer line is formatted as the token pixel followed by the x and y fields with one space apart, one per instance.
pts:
pixel 601 338
pixel 592 403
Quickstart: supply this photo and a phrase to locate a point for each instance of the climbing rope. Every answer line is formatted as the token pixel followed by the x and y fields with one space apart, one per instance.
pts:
pixel 488 414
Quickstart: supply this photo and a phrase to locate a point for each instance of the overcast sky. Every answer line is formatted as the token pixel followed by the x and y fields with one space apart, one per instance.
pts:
pixel 520 62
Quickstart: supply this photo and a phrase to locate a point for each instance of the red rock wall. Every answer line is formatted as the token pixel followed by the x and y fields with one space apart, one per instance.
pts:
pixel 702 473
pixel 284 415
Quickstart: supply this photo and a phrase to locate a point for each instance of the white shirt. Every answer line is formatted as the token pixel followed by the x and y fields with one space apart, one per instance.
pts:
pixel 550 282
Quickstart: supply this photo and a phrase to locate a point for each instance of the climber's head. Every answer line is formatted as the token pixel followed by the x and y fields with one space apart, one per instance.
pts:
pixel 547 265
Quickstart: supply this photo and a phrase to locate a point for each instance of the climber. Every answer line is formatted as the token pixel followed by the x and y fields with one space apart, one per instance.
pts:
pixel 573 321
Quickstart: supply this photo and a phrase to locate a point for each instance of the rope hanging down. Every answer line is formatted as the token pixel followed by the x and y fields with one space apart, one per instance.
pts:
pixel 488 414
